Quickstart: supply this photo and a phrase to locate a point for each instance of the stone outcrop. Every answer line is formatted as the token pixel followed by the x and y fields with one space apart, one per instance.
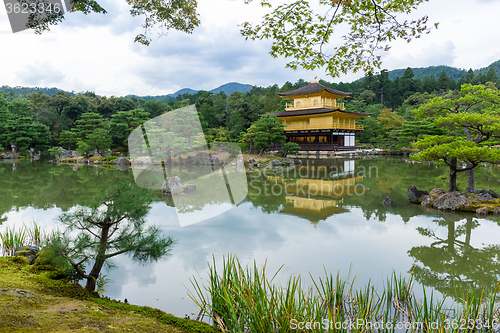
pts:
pixel 29 251
pixel 481 202
pixel 450 201
pixel 415 195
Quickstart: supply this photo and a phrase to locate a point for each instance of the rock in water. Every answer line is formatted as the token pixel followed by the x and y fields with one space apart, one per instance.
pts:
pixel 275 163
pixel 190 160
pixel 171 185
pixel 121 161
pixel 451 201
pixel 415 195
pixel 388 201
pixel 29 252
pixel 287 161
pixel 203 158
pixel 189 188
pixel 482 211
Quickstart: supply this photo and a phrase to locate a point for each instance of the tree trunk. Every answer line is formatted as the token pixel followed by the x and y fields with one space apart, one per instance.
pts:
pixel 470 181
pixel 100 258
pixel 451 237
pixel 453 175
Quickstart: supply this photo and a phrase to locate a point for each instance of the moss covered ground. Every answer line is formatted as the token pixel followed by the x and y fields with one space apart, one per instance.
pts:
pixel 32 302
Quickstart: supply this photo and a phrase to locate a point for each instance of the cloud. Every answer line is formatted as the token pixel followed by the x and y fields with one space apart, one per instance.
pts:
pixel 431 55
pixel 117 18
pixel 40 74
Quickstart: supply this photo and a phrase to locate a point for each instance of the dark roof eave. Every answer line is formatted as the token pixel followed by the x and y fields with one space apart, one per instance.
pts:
pixel 313 88
pixel 314 111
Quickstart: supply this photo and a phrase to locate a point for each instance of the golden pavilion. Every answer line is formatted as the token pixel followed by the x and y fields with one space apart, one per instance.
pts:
pixel 315 121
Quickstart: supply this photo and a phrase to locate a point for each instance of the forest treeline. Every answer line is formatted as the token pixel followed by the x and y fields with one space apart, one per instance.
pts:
pixel 40 121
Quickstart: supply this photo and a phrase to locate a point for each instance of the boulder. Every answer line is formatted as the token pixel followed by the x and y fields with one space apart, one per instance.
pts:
pixel 297 161
pixel 252 161
pixel 415 195
pixel 387 201
pixel 189 188
pixel 190 160
pixel 485 196
pixel 482 211
pixel 64 153
pixel 29 251
pixel 287 161
pixel 436 192
pixel 487 191
pixel 215 160
pixel 121 161
pixel 427 200
pixel 171 185
pixel 261 165
pixel 203 157
pixel 451 201
pixel 275 163
pixel 496 211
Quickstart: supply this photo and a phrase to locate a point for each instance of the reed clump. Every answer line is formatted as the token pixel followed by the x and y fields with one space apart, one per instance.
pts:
pixel 247 299
pixel 13 237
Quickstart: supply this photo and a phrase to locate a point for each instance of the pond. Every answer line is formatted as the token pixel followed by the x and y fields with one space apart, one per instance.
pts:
pixel 325 215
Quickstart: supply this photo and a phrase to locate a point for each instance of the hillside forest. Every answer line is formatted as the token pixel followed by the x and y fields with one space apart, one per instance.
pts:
pixel 86 121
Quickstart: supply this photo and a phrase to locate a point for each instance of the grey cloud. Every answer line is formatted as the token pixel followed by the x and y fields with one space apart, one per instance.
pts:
pixel 40 74
pixel 118 20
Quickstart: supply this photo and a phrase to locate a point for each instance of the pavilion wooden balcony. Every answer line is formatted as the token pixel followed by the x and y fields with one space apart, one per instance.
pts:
pixel 324 126
pixel 319 105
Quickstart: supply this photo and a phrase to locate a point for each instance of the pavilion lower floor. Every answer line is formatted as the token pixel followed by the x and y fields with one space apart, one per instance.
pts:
pixel 323 141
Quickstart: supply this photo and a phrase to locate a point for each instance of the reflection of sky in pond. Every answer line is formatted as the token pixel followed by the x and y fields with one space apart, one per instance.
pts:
pixel 374 246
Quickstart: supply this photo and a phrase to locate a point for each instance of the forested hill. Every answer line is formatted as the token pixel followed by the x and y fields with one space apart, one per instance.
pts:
pixel 23 91
pixel 227 88
pixel 453 72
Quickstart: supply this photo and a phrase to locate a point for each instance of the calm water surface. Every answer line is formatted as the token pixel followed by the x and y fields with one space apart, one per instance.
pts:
pixel 324 215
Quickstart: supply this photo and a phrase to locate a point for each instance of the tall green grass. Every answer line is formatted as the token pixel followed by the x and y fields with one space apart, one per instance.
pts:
pixel 13 237
pixel 247 299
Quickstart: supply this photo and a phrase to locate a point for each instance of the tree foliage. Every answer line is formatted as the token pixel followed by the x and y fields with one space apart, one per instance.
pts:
pixel 111 224
pixel 303 33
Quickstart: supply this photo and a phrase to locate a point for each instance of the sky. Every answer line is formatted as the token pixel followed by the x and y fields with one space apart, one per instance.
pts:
pixel 96 52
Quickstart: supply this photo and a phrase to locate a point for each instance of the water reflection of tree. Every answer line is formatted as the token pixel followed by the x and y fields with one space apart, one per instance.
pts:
pixel 44 185
pixel 450 262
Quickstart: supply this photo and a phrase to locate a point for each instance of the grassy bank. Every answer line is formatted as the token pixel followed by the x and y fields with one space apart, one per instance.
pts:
pixel 30 301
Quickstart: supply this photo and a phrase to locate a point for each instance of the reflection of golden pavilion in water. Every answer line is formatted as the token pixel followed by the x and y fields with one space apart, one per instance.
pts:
pixel 317 199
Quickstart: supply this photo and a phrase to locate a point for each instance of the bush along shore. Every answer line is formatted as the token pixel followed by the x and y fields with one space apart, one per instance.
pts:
pixel 34 299
pixel 247 299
